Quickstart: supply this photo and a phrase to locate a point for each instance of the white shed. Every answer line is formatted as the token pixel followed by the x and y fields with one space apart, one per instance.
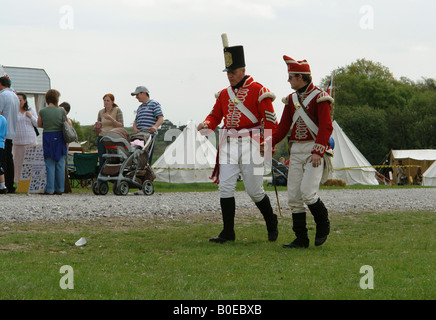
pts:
pixel 31 81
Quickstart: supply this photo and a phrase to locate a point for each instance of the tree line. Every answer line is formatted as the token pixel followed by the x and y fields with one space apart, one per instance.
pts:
pixel 379 113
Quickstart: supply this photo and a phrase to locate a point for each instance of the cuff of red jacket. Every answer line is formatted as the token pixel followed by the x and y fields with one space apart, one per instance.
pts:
pixel 319 149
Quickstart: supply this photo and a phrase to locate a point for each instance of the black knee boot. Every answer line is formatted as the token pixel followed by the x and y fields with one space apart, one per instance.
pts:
pixel 320 215
pixel 300 230
pixel 228 212
pixel 270 218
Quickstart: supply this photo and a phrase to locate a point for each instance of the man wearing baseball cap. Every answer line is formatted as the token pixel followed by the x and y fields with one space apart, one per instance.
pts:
pixel 149 116
pixel 307 116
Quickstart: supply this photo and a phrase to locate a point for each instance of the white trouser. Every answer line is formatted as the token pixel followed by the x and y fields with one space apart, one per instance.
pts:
pixel 303 178
pixel 241 156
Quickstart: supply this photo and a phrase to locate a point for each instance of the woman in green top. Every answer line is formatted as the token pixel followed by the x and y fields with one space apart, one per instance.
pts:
pixel 51 119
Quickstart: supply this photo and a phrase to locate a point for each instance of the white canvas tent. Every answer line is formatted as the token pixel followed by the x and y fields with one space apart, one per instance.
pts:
pixel 429 176
pixel 348 162
pixel 190 158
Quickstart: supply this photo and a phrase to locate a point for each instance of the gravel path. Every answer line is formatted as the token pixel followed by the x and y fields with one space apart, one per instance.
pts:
pixel 25 207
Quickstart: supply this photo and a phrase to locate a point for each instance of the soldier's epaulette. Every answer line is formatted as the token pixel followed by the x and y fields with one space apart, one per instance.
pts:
pixel 265 93
pixel 218 94
pixel 285 100
pixel 324 96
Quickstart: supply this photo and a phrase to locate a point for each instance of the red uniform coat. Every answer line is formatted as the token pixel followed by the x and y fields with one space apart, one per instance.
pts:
pixel 318 110
pixel 255 97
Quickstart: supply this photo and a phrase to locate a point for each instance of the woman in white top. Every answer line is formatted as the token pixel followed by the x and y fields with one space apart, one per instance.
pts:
pixel 25 133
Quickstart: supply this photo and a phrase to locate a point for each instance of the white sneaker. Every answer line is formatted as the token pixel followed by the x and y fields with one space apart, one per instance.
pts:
pixel 139 192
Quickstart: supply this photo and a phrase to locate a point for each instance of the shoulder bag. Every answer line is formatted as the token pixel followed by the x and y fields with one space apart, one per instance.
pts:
pixel 69 133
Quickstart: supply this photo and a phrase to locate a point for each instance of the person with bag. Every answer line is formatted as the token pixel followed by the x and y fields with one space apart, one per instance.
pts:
pixel 51 119
pixel 307 116
pixel 25 133
pixel 245 106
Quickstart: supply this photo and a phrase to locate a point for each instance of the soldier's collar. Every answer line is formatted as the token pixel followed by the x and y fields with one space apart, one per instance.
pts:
pixel 241 83
pixel 303 89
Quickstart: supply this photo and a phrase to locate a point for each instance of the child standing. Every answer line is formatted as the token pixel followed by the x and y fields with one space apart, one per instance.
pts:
pixel 3 134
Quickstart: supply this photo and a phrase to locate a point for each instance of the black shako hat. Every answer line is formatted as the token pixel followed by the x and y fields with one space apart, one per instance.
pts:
pixel 233 56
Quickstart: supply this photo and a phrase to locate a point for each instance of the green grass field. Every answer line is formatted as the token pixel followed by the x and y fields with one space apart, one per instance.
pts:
pixel 172 259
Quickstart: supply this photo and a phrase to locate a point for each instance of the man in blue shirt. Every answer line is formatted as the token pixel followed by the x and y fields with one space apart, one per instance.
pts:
pixel 149 116
pixel 9 108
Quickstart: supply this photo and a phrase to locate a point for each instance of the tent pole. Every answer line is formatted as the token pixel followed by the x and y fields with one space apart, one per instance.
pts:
pixel 334 93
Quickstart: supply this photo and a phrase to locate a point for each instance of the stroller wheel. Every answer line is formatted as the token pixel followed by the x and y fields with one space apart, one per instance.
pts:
pixel 95 188
pixel 103 188
pixel 122 188
pixel 148 188
pixel 115 189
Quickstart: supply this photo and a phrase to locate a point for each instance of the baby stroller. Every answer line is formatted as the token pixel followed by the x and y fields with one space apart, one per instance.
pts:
pixel 280 172
pixel 126 163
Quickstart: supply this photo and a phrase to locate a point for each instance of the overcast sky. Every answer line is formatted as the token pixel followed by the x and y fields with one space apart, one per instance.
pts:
pixel 173 47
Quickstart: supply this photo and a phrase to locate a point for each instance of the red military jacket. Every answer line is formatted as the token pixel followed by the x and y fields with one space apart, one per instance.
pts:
pixel 254 96
pixel 318 110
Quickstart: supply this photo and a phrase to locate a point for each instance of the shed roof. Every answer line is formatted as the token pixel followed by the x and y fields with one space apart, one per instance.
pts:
pixel 28 80
pixel 415 154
